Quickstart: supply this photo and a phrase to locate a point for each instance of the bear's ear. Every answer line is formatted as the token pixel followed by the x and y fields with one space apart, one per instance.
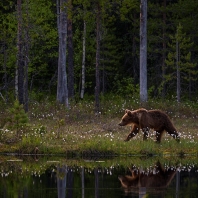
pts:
pixel 129 113
pixel 126 110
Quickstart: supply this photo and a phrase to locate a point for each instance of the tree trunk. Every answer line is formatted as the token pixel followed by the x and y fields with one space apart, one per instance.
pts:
pixel 26 59
pixel 96 182
pixel 143 51
pixel 97 88
pixel 164 51
pixel 70 55
pixel 83 62
pixel 178 72
pixel 5 74
pixel 62 90
pixel 190 87
pixel 19 78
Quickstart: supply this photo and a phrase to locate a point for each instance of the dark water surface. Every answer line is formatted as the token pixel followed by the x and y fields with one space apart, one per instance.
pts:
pixel 47 178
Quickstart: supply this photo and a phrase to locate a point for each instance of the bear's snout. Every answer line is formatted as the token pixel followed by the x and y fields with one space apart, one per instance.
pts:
pixel 121 124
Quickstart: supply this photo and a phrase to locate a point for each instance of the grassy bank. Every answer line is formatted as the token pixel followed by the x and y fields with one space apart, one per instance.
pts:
pixel 53 129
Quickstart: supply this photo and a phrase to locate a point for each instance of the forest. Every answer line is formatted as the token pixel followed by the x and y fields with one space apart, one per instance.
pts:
pixel 69 50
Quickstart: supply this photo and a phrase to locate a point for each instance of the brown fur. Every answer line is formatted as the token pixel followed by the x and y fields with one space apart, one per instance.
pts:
pixel 158 179
pixel 148 119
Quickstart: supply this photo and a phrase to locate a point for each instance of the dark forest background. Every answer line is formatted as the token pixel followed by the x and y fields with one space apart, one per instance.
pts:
pixel 102 48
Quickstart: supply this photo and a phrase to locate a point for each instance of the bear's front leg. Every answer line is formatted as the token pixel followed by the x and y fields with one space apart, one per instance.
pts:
pixel 159 135
pixel 134 131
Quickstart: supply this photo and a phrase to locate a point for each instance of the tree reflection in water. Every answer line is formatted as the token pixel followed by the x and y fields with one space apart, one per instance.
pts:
pixel 65 181
pixel 61 181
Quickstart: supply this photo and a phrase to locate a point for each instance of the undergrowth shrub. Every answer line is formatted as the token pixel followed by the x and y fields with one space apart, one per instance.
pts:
pixel 34 138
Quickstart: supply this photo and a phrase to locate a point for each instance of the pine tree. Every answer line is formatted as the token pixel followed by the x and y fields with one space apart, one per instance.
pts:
pixel 179 61
pixel 18 118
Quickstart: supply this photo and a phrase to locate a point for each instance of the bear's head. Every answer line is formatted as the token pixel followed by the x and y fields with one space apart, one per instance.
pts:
pixel 129 117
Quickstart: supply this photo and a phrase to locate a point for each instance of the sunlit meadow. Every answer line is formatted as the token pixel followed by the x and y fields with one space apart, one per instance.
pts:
pixel 79 131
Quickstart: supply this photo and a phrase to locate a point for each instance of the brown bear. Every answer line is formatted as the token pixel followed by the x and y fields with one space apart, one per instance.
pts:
pixel 148 119
pixel 152 181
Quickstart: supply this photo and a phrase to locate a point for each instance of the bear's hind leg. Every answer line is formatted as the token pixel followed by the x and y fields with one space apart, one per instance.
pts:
pixel 133 132
pixel 146 133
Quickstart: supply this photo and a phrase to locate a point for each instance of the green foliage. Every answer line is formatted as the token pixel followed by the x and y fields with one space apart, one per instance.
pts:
pixel 127 9
pixel 126 87
pixel 18 118
pixel 119 50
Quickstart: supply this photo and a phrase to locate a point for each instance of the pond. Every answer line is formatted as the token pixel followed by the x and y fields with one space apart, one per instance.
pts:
pixel 53 177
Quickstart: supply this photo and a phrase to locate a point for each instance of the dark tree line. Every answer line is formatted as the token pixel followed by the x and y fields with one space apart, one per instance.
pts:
pixel 72 48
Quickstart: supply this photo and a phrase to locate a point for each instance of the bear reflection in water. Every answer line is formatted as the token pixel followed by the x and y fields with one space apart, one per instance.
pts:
pixel 154 181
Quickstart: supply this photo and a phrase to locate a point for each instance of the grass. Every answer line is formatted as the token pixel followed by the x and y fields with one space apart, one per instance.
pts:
pixel 78 131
